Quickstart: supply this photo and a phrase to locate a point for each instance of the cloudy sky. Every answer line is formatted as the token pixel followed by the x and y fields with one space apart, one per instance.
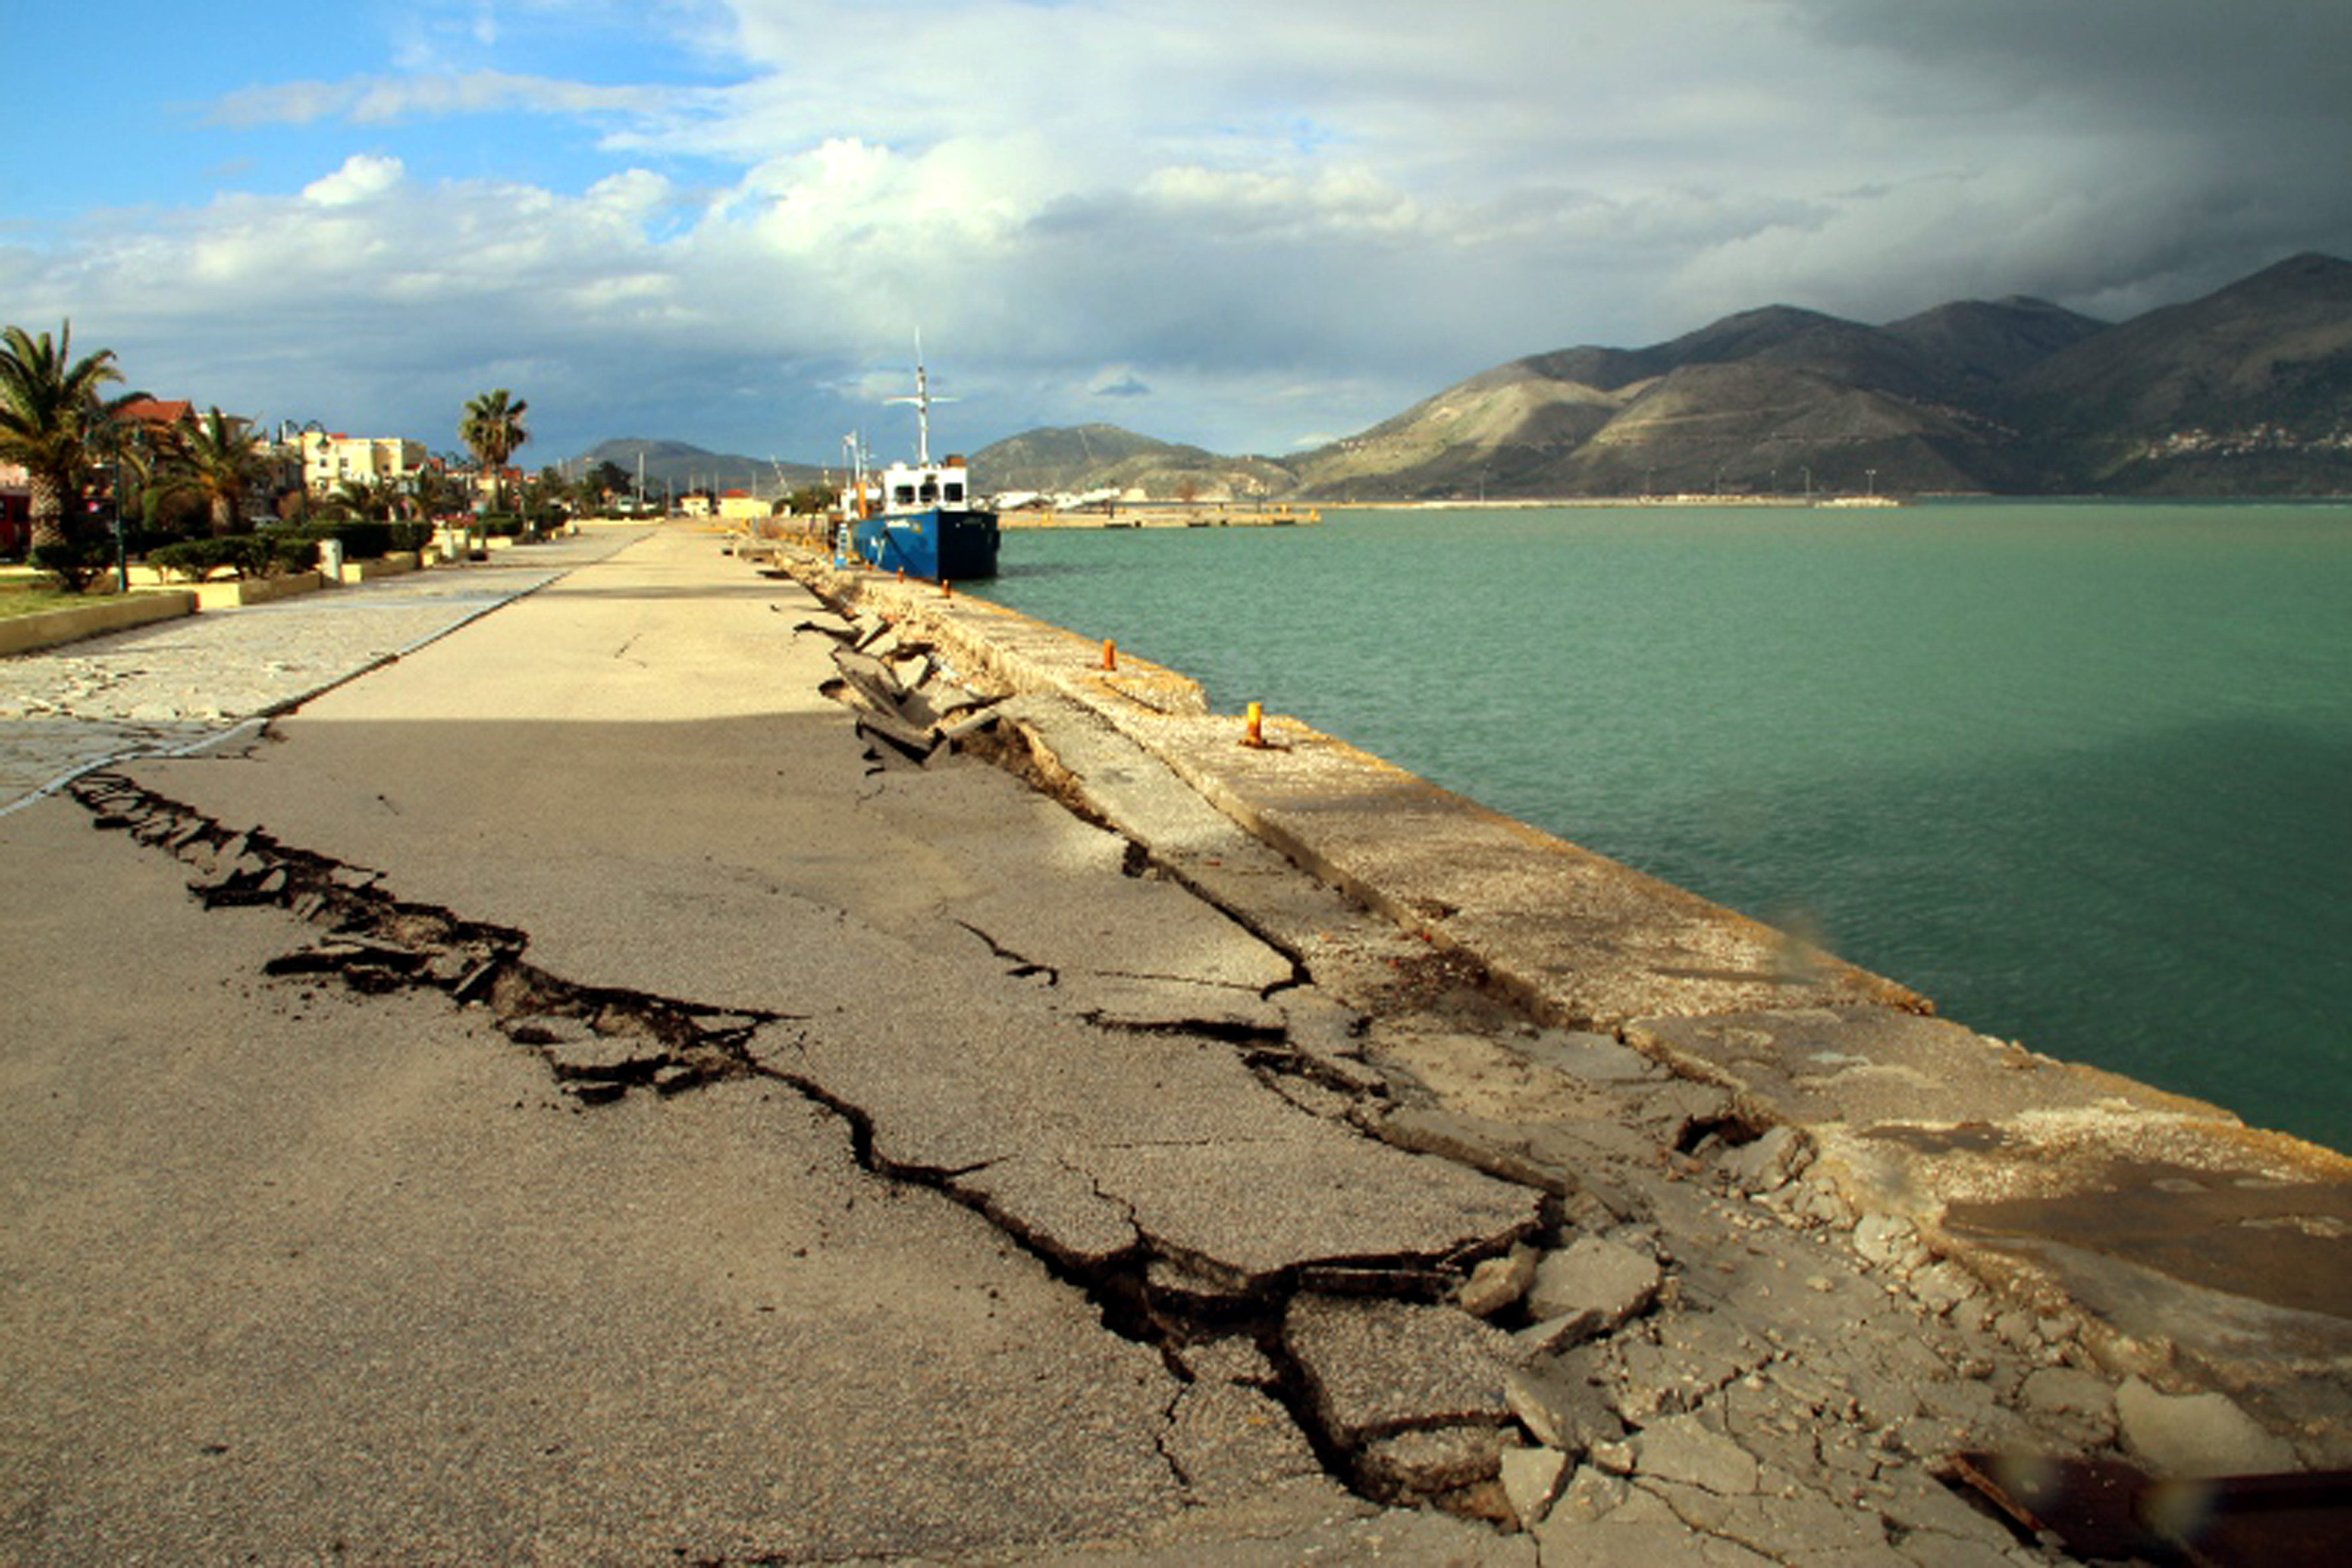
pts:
pixel 1253 224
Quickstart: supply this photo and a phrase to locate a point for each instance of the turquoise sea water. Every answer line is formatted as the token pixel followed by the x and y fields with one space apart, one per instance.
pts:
pixel 2081 773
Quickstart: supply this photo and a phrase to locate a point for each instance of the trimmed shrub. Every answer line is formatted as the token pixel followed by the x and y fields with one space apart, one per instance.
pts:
pixel 74 563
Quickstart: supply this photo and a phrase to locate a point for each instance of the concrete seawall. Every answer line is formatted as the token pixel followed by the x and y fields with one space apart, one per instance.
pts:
pixel 2184 1246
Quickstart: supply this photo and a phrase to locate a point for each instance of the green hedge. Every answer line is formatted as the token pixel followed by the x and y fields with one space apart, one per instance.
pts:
pixel 364 539
pixel 247 555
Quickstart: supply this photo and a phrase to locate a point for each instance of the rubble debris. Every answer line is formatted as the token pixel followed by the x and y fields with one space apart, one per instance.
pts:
pixel 1561 1411
pixel 906 697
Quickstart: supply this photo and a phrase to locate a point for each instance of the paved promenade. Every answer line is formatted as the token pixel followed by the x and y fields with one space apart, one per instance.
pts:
pixel 180 685
pixel 581 1093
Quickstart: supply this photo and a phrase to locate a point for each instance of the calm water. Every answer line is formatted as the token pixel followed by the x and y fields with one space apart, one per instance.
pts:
pixel 2080 772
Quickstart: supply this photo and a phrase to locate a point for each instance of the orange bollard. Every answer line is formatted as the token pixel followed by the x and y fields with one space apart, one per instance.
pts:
pixel 1110 654
pixel 946 589
pixel 902 574
pixel 1256 732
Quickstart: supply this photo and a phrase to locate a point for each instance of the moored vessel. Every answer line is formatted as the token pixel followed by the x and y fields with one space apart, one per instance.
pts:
pixel 918 517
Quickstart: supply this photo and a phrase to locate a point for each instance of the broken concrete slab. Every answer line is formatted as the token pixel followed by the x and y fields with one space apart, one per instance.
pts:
pixel 1683 1449
pixel 1375 1368
pixel 369 1279
pixel 1596 1282
pixel 1229 1439
pixel 1169 1005
pixel 1559 1410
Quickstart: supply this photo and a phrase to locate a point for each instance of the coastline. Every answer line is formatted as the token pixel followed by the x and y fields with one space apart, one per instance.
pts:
pixel 1027 1181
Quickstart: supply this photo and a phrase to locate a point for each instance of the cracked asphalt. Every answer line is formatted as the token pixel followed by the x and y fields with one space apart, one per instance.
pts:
pixel 342 1226
pixel 579 1091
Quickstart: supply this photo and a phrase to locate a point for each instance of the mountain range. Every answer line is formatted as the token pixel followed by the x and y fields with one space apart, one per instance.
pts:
pixel 674 468
pixel 2247 391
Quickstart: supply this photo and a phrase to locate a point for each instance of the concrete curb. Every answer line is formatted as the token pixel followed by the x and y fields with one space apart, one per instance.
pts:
pixel 242 591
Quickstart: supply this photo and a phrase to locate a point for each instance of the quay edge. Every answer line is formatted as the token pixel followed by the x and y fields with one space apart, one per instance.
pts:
pixel 2187 1248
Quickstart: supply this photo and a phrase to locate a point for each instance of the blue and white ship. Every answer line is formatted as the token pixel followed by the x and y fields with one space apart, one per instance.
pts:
pixel 918 518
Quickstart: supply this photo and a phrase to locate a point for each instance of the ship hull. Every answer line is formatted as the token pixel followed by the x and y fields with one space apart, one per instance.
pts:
pixel 938 544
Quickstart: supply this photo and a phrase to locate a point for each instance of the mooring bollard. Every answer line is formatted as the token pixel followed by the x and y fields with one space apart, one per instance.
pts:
pixel 1255 734
pixel 1110 654
pixel 946 589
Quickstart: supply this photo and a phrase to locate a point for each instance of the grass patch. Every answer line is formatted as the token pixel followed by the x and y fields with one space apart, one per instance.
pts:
pixel 33 599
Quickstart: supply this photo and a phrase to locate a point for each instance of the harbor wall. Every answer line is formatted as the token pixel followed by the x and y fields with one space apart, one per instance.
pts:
pixel 2189 1245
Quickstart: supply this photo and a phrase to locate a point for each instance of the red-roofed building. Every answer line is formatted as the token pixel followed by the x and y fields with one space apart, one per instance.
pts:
pixel 158 414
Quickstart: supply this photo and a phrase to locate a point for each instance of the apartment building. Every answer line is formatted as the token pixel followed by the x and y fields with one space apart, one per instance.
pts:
pixel 330 459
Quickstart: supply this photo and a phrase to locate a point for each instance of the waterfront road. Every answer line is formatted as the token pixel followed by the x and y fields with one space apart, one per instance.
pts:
pixel 511 1065
pixel 593 1114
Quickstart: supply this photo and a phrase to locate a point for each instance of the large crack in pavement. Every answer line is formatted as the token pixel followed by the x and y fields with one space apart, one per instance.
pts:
pixel 1223 1336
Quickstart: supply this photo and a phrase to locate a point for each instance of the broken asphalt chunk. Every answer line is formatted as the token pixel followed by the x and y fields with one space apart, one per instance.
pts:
pixel 1375 1368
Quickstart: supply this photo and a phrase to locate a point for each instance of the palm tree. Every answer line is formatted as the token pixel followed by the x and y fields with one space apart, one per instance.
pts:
pixel 220 460
pixel 492 430
pixel 436 492
pixel 370 498
pixel 52 419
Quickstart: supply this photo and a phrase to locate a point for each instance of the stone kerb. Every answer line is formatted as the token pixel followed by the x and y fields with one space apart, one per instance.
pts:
pixel 23 633
pixel 232 592
pixel 392 565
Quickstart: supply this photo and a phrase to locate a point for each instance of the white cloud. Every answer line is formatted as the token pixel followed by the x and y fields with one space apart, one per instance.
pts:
pixel 360 179
pixel 390 99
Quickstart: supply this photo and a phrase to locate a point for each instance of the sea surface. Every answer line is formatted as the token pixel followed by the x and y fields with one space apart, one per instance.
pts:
pixel 2080 771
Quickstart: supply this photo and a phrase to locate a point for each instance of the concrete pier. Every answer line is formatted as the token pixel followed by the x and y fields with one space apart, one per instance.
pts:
pixel 671 1063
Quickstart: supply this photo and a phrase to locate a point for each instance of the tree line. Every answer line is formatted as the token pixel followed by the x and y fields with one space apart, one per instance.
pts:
pixel 93 469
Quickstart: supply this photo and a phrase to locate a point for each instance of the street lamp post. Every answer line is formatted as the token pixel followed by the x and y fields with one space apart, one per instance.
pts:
pixel 122 545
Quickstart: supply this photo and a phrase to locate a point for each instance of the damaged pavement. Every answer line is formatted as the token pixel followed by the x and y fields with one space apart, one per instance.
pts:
pixel 669 1073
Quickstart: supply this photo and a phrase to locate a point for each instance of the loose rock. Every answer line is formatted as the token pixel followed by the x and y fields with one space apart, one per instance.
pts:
pixel 1531 1479
pixel 1497 1283
pixel 1599 1281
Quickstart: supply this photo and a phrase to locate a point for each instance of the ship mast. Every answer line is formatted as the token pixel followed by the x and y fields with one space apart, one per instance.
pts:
pixel 922 402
